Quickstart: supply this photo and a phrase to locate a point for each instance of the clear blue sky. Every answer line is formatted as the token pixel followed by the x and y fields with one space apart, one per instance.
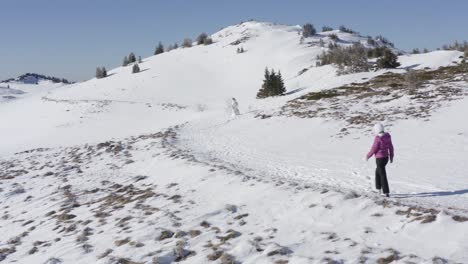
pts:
pixel 69 38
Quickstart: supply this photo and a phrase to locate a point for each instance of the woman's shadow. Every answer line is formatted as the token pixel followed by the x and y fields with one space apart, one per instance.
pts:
pixel 430 194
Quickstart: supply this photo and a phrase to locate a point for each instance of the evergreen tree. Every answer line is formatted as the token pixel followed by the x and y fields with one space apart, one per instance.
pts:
pixel 208 41
pixel 201 38
pixel 176 46
pixel 98 73
pixel 187 43
pixel 263 92
pixel 326 28
pixel 371 41
pixel 135 68
pixel 159 49
pixel 415 51
pixel 279 84
pixel 125 61
pixel 273 84
pixel 101 72
pixel 376 52
pixel 388 60
pixel 346 30
pixel 131 58
pixel 139 59
pixel 308 30
pixel 333 37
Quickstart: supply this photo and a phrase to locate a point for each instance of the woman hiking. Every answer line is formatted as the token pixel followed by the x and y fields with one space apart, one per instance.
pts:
pixel 383 150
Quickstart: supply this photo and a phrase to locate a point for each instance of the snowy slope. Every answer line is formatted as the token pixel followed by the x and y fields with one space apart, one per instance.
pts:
pixel 433 60
pixel 133 155
pixel 198 78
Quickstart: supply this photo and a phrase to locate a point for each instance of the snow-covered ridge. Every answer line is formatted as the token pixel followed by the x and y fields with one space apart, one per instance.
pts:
pixel 35 78
pixel 27 85
pixel 245 30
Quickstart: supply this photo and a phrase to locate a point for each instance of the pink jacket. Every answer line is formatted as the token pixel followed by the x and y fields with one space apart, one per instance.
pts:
pixel 382 147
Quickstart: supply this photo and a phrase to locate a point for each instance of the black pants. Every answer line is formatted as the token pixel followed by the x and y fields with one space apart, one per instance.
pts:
pixel 381 175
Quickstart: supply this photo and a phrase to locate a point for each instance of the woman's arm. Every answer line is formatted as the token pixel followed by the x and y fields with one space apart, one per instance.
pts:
pixel 390 148
pixel 374 149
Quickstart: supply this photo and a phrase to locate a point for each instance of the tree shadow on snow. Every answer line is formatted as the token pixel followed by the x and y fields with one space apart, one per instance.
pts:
pixel 410 67
pixel 429 194
pixel 294 91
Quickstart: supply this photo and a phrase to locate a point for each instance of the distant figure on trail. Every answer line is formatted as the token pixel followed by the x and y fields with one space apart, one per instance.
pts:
pixel 383 150
pixel 235 107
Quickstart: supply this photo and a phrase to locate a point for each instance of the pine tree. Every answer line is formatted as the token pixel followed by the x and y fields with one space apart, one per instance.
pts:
pixel 415 51
pixel 135 68
pixel 139 59
pixel 101 72
pixel 333 37
pixel 388 60
pixel 308 30
pixel 201 38
pixel 125 61
pixel 159 49
pixel 131 57
pixel 273 84
pixel 280 89
pixel 342 28
pixel 263 92
pixel 176 46
pixel 371 41
pixel 326 28
pixel 98 73
pixel 208 41
pixel 187 43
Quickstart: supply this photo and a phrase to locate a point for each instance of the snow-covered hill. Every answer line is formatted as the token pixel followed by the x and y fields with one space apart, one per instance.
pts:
pixel 27 84
pixel 35 78
pixel 151 168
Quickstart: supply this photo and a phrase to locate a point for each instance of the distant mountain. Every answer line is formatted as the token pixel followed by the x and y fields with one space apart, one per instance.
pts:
pixel 29 84
pixel 35 78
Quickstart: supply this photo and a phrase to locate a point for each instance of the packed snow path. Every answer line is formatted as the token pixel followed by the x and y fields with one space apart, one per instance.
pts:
pixel 428 170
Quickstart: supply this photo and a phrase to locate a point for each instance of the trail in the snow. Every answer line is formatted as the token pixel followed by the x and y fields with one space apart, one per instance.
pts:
pixel 263 151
